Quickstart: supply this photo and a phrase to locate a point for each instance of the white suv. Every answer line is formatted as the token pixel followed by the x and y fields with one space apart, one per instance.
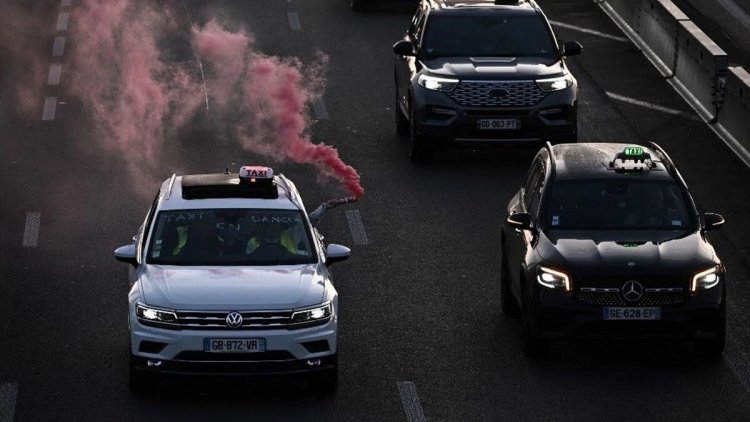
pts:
pixel 231 277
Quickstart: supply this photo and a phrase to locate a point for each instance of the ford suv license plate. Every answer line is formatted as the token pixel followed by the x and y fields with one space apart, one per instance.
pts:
pixel 497 124
pixel 234 345
pixel 632 314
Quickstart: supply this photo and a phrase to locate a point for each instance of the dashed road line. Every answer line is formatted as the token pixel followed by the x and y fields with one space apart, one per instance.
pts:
pixel 672 111
pixel 31 230
pixel 8 395
pixel 319 108
pixel 62 21
pixel 589 31
pixel 54 74
pixel 58 47
pixel 50 108
pixel 294 23
pixel 356 227
pixel 410 401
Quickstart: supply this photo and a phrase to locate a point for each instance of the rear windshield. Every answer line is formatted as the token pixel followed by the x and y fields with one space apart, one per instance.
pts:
pixel 230 237
pixel 489 36
pixel 617 204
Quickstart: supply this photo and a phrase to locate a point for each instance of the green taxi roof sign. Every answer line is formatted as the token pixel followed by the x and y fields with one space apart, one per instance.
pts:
pixel 633 151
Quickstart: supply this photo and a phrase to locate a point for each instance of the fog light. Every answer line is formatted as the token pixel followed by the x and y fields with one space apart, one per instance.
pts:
pixel 550 111
pixel 313 362
pixel 444 111
pixel 154 363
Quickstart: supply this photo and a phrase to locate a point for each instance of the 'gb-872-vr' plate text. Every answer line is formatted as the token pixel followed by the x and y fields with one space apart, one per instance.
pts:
pixel 234 345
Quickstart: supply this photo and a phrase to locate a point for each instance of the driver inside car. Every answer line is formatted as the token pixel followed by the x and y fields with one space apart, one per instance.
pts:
pixel 269 235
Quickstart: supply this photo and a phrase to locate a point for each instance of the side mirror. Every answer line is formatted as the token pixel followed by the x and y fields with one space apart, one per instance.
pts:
pixel 571 48
pixel 404 48
pixel 520 221
pixel 336 253
pixel 713 221
pixel 127 254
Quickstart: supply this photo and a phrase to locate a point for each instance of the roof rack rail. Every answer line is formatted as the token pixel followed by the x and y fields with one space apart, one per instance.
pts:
pixel 168 192
pixel 552 165
pixel 672 169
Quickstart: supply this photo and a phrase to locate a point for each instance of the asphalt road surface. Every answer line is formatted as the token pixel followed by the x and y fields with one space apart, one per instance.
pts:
pixel 422 335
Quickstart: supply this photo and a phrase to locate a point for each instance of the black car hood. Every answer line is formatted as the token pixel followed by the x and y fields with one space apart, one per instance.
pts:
pixel 521 68
pixel 611 252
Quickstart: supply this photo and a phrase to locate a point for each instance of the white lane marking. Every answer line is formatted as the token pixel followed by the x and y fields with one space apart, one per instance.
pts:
pixel 58 48
pixel 294 21
pixel 62 21
pixel 50 106
pixel 54 74
pixel 65 3
pixel 674 112
pixel 737 361
pixel 31 231
pixel 410 401
pixel 589 31
pixel 356 227
pixel 203 79
pixel 737 12
pixel 319 108
pixel 8 395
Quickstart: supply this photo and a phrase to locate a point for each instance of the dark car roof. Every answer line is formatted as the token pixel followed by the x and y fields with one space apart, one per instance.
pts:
pixel 593 161
pixel 472 6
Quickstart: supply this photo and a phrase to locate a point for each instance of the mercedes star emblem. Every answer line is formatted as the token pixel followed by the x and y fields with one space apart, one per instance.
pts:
pixel 234 320
pixel 631 263
pixel 632 291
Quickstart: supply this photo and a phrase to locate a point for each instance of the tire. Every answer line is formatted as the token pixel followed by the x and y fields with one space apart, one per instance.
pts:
pixel 418 151
pixel 358 5
pixel 508 303
pixel 402 123
pixel 325 382
pixel 533 347
pixel 141 382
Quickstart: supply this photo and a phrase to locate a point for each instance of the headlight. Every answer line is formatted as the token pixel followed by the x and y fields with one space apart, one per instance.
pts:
pixel 704 280
pixel 437 84
pixel 553 279
pixel 555 84
pixel 154 316
pixel 311 316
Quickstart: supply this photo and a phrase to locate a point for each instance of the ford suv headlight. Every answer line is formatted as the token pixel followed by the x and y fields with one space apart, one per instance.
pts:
pixel 311 316
pixel 437 84
pixel 555 84
pixel 156 317
pixel 705 280
pixel 553 279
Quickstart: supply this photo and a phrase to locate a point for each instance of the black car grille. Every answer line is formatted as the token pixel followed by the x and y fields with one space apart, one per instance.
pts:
pixel 254 320
pixel 657 292
pixel 517 94
pixel 196 356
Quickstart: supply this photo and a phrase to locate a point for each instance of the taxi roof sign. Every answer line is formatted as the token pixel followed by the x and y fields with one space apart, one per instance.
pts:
pixel 633 151
pixel 255 172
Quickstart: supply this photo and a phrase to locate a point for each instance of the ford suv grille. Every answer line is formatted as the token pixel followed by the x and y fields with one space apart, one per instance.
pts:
pixel 497 94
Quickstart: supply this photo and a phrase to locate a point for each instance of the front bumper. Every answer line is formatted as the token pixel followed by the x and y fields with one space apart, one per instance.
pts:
pixel 559 316
pixel 181 351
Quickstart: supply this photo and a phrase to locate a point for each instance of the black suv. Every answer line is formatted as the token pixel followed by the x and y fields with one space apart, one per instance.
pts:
pixel 604 240
pixel 480 72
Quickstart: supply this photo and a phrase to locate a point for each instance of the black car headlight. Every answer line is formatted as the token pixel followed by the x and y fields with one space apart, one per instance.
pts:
pixel 556 84
pixel 705 280
pixel 157 317
pixel 435 83
pixel 553 279
pixel 311 316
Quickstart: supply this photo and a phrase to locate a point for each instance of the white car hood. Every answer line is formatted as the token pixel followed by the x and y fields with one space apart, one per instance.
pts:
pixel 232 288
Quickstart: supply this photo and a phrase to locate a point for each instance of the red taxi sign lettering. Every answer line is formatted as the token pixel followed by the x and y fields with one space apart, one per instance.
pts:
pixel 256 172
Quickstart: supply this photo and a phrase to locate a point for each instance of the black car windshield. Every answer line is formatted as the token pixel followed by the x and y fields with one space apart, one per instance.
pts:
pixel 617 204
pixel 230 237
pixel 488 36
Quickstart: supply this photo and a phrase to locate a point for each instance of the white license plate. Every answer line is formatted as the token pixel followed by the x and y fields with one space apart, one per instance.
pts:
pixel 632 314
pixel 234 345
pixel 497 124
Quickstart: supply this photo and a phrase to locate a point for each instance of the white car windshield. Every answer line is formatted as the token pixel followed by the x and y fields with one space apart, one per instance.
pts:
pixel 231 237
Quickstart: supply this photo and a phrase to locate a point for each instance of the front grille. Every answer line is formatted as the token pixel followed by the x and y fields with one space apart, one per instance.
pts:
pixel 477 94
pixel 658 292
pixel 252 320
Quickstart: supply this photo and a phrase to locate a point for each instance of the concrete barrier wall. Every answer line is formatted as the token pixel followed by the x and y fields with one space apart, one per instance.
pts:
pixel 734 115
pixel 701 66
pixel 628 10
pixel 658 26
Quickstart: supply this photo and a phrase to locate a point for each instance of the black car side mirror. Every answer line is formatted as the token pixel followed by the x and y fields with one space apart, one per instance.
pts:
pixel 571 48
pixel 520 221
pixel 404 48
pixel 713 221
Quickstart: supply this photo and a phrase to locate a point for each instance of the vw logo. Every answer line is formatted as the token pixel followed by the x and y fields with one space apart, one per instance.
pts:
pixel 632 291
pixel 234 320
pixel 499 92
pixel 631 263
